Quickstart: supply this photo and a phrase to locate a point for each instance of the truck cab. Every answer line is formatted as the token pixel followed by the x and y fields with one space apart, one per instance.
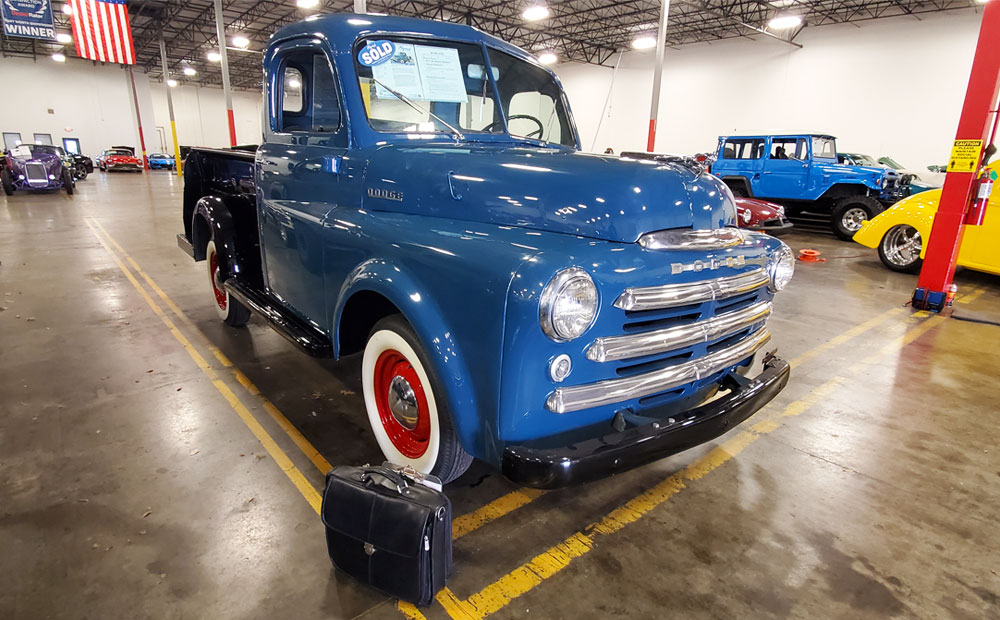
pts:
pixel 802 172
pixel 420 199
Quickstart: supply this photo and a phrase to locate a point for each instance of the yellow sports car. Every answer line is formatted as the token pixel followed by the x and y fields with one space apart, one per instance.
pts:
pixel 898 232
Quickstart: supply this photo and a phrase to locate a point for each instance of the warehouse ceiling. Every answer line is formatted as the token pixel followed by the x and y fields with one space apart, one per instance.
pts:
pixel 590 31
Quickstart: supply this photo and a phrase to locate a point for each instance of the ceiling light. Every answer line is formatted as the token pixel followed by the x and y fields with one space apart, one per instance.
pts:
pixel 189 71
pixel 62 37
pixel 535 13
pixel 214 56
pixel 172 83
pixel 644 43
pixel 67 9
pixel 784 22
pixel 306 4
pixel 241 41
pixel 547 58
pixel 59 57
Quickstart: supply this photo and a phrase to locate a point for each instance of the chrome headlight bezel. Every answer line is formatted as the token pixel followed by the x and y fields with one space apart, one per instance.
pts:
pixel 553 294
pixel 780 267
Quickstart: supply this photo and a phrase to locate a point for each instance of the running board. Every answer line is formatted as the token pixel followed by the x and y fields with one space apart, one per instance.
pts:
pixel 306 337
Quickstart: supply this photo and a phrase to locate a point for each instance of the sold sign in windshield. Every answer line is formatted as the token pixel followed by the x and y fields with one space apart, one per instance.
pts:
pixel 376 52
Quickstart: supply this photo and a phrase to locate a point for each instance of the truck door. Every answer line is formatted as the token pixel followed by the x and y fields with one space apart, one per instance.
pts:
pixel 742 157
pixel 298 174
pixel 786 169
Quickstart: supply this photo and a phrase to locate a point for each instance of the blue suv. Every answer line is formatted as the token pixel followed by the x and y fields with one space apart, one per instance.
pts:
pixel 801 172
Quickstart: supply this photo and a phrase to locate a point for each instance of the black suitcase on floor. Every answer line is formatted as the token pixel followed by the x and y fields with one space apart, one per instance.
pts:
pixel 388 530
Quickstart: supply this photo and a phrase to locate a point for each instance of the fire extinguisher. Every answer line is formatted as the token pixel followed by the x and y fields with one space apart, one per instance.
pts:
pixel 977 211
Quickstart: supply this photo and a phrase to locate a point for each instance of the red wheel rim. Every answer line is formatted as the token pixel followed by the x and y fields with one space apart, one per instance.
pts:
pixel 213 274
pixel 411 442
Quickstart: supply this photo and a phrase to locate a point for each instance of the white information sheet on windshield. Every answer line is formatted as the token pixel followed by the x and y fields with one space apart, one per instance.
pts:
pixel 422 73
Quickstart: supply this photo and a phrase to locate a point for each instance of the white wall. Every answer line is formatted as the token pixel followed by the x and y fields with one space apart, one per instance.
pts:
pixel 886 87
pixel 91 103
pixel 201 119
pixel 94 104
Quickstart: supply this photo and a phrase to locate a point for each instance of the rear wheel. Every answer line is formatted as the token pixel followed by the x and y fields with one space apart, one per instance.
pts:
pixel 900 249
pixel 406 404
pixel 850 212
pixel 68 181
pixel 7 180
pixel 229 310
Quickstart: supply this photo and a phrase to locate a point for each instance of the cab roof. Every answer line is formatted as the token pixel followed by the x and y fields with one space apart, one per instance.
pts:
pixel 784 134
pixel 341 30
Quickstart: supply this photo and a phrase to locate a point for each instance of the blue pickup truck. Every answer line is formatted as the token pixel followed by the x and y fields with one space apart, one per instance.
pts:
pixel 801 172
pixel 420 199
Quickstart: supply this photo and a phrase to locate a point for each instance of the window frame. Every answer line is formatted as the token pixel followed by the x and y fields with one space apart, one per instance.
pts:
pixel 752 143
pixel 79 147
pixel 276 92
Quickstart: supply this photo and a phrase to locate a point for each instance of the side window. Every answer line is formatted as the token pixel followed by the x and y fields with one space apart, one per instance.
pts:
pixel 788 148
pixel 308 97
pixel 743 149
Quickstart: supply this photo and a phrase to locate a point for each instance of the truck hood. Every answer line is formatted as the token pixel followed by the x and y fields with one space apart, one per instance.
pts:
pixel 555 190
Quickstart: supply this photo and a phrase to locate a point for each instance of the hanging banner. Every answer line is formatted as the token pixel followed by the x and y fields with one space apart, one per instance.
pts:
pixel 31 19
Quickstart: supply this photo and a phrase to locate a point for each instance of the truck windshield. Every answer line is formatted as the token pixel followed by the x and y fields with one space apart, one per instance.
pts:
pixel 824 148
pixel 448 81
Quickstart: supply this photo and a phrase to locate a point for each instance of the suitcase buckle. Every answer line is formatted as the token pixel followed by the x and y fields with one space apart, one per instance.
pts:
pixel 369 549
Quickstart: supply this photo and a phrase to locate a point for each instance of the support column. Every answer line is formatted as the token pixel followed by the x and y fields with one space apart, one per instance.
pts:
pixel 138 118
pixel 938 271
pixel 361 6
pixel 220 30
pixel 661 43
pixel 170 106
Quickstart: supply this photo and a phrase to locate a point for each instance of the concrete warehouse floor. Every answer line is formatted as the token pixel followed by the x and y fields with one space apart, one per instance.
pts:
pixel 134 483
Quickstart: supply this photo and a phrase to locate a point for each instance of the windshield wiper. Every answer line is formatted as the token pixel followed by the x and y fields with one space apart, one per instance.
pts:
pixel 406 100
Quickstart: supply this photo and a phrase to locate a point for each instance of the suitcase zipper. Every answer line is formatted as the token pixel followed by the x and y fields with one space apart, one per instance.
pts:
pixel 427 544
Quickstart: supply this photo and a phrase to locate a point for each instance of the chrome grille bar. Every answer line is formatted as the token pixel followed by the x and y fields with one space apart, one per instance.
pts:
pixel 610 391
pixel 36 174
pixel 612 348
pixel 672 295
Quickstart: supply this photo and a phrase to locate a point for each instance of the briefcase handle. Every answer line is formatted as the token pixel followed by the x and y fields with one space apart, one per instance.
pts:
pixel 393 477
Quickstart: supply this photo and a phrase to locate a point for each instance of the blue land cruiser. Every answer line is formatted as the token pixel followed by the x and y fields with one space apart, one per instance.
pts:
pixel 801 172
pixel 420 199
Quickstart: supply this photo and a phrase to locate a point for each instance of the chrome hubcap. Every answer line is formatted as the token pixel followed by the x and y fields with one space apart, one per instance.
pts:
pixel 902 245
pixel 852 219
pixel 403 402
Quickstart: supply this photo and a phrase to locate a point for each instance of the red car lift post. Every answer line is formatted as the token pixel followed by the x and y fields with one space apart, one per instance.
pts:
pixel 935 282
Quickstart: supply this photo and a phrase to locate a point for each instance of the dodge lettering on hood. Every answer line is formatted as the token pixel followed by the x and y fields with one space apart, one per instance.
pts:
pixel 420 198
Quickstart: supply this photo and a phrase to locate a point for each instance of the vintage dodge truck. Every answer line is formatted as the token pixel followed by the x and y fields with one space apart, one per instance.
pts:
pixel 420 197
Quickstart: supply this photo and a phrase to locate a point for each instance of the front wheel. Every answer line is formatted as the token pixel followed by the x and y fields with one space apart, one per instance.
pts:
pixel 80 172
pixel 7 180
pixel 229 310
pixel 406 404
pixel 900 249
pixel 850 212
pixel 68 182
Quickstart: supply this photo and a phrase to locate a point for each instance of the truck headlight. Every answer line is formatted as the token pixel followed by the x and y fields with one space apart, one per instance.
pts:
pixel 568 305
pixel 780 267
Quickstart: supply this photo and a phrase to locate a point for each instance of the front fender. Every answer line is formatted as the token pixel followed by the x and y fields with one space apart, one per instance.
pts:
pixel 917 211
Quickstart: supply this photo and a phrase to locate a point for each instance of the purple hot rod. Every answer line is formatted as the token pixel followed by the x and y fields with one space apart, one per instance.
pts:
pixel 36 166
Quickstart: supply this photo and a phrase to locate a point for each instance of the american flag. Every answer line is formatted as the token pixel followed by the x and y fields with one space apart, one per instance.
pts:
pixel 101 31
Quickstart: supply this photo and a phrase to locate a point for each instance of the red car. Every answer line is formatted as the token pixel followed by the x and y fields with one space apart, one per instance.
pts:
pixel 119 159
pixel 762 216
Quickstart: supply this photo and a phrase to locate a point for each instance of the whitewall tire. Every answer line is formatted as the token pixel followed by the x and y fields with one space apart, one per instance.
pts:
pixel 229 310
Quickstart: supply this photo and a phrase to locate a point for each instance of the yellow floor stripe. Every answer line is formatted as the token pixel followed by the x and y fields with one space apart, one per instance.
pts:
pixel 854 332
pixel 310 494
pixel 494 510
pixel 971 297
pixel 293 433
pixel 526 577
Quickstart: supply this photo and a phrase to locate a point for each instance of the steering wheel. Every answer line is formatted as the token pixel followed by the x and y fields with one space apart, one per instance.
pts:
pixel 534 134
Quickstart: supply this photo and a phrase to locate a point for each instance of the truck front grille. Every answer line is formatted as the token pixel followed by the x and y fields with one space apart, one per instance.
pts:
pixel 674 337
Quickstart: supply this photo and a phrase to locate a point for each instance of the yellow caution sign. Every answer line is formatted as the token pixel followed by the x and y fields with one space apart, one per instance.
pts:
pixel 965 155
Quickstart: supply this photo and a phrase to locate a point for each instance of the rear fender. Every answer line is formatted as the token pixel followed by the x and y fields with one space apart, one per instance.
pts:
pixel 212 219
pixel 396 284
